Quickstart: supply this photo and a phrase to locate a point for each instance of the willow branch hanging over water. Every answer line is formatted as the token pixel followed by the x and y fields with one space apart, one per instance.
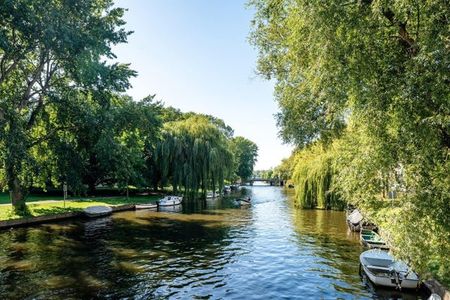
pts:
pixel 313 178
pixel 194 155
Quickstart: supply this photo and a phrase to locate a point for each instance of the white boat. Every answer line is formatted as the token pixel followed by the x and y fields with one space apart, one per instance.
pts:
pixel 354 220
pixel 146 206
pixel 170 201
pixel 383 270
pixel 243 201
pixel 212 195
pixel 97 211
pixel 171 209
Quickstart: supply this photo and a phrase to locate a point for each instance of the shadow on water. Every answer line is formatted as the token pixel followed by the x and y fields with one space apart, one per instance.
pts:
pixel 202 250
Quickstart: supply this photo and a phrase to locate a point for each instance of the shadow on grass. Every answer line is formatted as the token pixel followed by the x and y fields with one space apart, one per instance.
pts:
pixel 54 210
pixel 23 212
pixel 122 200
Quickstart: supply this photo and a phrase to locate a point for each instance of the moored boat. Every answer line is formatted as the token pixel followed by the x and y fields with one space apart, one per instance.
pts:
pixel 210 195
pixel 383 270
pixel 97 211
pixel 226 189
pixel 243 201
pixel 354 220
pixel 170 201
pixel 146 206
pixel 371 239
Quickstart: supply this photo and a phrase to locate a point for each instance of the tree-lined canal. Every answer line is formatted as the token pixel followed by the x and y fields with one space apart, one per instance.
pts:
pixel 270 250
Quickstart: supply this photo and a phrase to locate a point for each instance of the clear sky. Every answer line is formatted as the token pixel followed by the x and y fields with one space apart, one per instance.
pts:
pixel 194 55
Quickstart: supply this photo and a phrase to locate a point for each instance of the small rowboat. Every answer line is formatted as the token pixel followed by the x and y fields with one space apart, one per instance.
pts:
pixel 170 201
pixel 243 201
pixel 97 211
pixel 371 239
pixel 146 206
pixel 383 270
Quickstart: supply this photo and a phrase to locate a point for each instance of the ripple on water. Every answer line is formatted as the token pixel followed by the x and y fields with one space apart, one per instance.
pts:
pixel 268 250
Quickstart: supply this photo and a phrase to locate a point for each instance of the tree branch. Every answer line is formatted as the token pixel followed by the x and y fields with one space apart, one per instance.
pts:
pixel 36 75
pixel 43 90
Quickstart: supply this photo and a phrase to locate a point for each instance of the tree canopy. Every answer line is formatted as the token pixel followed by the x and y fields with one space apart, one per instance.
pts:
pixel 46 48
pixel 245 154
pixel 365 84
pixel 65 117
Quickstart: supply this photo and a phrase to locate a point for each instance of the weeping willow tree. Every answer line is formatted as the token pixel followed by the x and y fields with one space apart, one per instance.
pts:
pixel 313 178
pixel 193 155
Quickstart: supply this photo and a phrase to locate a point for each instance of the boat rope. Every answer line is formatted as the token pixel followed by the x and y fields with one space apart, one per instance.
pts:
pixel 397 280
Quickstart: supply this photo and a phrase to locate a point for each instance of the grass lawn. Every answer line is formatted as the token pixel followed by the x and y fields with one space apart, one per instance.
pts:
pixel 4 198
pixel 50 208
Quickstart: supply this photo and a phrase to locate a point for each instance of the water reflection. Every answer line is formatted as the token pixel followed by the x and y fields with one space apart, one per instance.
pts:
pixel 207 250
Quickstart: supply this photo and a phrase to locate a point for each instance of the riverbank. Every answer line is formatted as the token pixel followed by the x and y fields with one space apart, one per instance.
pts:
pixel 44 207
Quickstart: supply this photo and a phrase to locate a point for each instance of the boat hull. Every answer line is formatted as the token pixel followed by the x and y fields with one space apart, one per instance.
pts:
pixel 390 282
pixel 243 202
pixel 383 269
pixel 97 211
pixel 170 201
pixel 146 206
pixel 372 240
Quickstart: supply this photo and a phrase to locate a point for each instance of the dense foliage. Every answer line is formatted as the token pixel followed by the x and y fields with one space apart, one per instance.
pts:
pixel 313 174
pixel 46 48
pixel 64 117
pixel 194 154
pixel 364 91
pixel 245 153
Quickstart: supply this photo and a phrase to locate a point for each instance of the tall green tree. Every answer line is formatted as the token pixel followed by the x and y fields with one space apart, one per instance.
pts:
pixel 370 79
pixel 245 154
pixel 45 47
pixel 194 155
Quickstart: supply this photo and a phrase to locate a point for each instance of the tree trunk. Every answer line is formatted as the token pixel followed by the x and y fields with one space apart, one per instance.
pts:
pixel 91 187
pixel 16 194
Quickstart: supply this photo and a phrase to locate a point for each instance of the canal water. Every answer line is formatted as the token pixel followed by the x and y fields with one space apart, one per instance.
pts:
pixel 219 251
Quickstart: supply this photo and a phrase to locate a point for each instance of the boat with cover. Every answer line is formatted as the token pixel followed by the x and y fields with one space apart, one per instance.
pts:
pixel 371 239
pixel 354 220
pixel 146 206
pixel 170 201
pixel 97 211
pixel 384 270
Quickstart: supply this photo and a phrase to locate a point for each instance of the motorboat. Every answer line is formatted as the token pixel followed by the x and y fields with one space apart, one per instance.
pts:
pixel 384 270
pixel 170 201
pixel 97 211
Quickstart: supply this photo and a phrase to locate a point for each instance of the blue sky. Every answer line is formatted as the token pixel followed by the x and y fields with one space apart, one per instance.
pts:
pixel 194 55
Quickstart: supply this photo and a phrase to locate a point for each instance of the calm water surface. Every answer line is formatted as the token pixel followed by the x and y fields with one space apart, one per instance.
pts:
pixel 267 251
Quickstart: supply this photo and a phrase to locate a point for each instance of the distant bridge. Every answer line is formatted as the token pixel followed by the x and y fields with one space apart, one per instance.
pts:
pixel 271 181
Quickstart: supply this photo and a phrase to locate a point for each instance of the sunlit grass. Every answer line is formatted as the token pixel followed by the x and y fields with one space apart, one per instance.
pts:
pixel 4 198
pixel 35 209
